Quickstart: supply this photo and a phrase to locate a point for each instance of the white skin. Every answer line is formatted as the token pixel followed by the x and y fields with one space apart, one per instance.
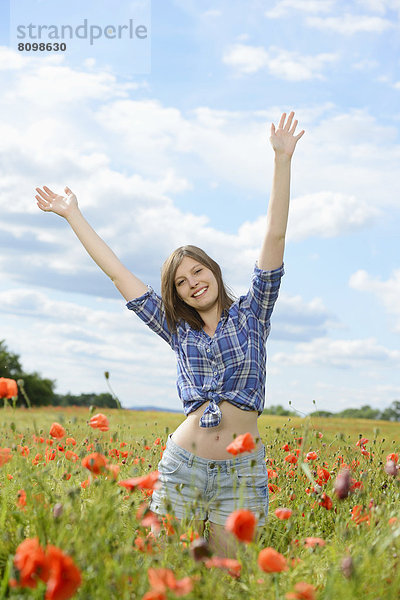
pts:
pixel 283 141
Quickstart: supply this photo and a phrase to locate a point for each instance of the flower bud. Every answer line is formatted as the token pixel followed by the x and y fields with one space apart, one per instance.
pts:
pixel 342 484
pixel 58 510
pixel 391 468
pixel 347 566
pixel 199 549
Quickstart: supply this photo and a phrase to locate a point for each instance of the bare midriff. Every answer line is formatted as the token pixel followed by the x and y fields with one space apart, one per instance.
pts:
pixel 211 442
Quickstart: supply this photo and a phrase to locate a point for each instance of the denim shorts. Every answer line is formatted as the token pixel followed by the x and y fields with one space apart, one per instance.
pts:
pixel 200 488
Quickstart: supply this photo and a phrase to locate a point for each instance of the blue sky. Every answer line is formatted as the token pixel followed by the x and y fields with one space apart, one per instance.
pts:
pixel 180 154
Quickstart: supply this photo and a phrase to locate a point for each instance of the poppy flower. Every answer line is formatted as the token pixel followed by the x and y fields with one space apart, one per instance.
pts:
pixel 272 561
pixel 5 456
pixel 310 542
pixel 391 468
pixel 149 481
pixel 362 442
pixel 323 474
pixel 95 462
pixel 64 576
pixel 302 591
pixel 232 565
pixel 241 443
pixel 70 440
pixel 311 456
pixel 326 502
pixel 57 431
pixel 21 502
pixel 69 455
pixel 154 595
pixel 242 524
pixel 393 457
pixel 162 579
pixel 8 388
pixel 99 421
pixel 357 516
pixel 283 513
pixel 291 458
pixel 30 560
pixel 286 447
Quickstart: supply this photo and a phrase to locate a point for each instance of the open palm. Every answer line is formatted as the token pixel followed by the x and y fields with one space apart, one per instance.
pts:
pixel 48 201
pixel 283 139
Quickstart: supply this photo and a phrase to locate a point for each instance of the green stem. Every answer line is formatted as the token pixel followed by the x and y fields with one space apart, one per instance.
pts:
pixel 107 376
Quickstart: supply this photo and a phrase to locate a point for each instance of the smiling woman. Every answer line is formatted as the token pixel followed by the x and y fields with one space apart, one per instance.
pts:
pixel 220 346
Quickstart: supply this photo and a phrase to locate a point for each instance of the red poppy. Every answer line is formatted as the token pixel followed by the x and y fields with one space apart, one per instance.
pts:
pixel 8 388
pixel 5 456
pixel 95 462
pixel 311 456
pixel 99 421
pixel 286 447
pixel 357 516
pixel 154 595
pixel 241 443
pixel 362 442
pixel 326 502
pixel 393 457
pixel 57 431
pixel 21 502
pixel 162 579
pixel 271 561
pixel 70 440
pixel 303 591
pixel 69 455
pixel 291 458
pixel 283 513
pixel 323 474
pixel 64 578
pixel 232 565
pixel 310 542
pixel 30 560
pixel 149 481
pixel 242 524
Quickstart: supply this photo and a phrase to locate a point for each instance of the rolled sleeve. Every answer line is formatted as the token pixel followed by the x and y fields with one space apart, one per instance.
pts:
pixel 263 292
pixel 150 309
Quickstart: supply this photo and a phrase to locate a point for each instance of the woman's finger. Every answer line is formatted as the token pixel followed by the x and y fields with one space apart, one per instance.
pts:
pixel 298 136
pixel 289 121
pixel 48 190
pixel 282 121
pixel 293 128
pixel 43 195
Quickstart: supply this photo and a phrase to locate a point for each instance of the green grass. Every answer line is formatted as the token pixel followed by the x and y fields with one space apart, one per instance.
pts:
pixel 98 525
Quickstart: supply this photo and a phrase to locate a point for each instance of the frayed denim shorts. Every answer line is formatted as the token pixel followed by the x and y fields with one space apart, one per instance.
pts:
pixel 200 488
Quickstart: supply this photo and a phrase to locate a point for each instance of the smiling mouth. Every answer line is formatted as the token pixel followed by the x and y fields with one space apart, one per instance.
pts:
pixel 202 292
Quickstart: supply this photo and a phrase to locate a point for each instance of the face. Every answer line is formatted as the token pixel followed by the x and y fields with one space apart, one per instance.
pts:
pixel 196 284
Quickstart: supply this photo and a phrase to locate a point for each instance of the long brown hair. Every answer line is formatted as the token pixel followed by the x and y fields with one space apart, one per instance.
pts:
pixel 175 308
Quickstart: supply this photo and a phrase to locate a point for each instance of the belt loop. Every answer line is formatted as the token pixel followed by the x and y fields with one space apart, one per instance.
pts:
pixel 190 461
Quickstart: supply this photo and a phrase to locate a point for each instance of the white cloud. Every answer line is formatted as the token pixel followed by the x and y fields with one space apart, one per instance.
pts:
pixel 349 24
pixel 287 7
pixel 281 63
pixel 339 353
pixel 387 292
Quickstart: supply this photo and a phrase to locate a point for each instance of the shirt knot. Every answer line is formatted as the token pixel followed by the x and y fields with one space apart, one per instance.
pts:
pixel 212 415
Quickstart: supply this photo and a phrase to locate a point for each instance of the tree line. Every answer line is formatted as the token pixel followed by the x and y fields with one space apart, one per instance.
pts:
pixel 40 391
pixel 391 413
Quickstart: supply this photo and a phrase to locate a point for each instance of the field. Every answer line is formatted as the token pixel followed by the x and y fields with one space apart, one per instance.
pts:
pixel 343 548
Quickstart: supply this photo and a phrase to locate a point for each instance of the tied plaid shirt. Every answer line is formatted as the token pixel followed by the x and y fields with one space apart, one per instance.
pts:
pixel 232 364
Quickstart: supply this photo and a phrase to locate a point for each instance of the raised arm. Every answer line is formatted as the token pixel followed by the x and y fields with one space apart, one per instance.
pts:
pixel 283 142
pixel 67 206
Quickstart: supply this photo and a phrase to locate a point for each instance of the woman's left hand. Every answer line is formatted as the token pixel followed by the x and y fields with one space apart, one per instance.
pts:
pixel 283 139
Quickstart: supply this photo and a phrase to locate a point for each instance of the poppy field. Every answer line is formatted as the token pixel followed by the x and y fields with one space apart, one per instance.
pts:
pixel 75 486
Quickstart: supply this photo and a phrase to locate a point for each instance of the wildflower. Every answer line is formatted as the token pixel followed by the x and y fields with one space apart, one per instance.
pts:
pixel 69 455
pixel 242 443
pixel 323 475
pixel 283 513
pixel 286 447
pixel 162 579
pixel 311 456
pixel 242 524
pixel 5 456
pixel 57 431
pixel 149 481
pixel 232 565
pixel 326 502
pixel 99 421
pixel 291 458
pixel 8 388
pixel 361 442
pixel 342 484
pixel 303 591
pixel 70 441
pixel 21 502
pixel 64 576
pixel 394 457
pixel 188 537
pixel 30 561
pixel 271 561
pixel 310 542
pixel 356 515
pixel 95 462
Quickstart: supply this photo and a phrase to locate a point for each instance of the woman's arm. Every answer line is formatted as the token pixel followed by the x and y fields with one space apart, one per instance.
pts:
pixel 130 286
pixel 283 142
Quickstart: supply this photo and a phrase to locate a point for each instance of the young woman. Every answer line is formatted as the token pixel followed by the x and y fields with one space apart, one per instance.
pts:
pixel 220 348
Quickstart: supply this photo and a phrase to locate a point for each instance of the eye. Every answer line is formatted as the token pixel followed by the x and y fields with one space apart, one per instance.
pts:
pixel 179 282
pixel 198 271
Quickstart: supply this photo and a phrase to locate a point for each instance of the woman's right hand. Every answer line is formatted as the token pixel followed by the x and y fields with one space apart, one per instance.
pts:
pixel 48 201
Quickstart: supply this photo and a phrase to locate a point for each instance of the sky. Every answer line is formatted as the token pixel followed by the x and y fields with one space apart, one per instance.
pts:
pixel 165 142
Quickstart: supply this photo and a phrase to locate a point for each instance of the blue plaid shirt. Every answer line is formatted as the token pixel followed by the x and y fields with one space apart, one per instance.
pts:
pixel 232 364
